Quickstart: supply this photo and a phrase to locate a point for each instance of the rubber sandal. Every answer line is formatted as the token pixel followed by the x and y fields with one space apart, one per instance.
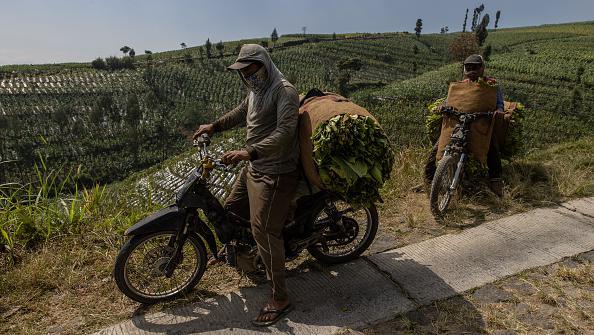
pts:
pixel 279 315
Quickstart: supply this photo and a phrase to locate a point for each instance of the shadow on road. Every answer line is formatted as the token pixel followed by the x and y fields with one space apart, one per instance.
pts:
pixel 353 295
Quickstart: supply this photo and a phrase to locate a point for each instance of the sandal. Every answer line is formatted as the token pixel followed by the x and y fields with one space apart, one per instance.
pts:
pixel 280 313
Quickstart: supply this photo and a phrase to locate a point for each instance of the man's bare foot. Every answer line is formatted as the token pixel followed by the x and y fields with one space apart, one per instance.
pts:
pixel 273 311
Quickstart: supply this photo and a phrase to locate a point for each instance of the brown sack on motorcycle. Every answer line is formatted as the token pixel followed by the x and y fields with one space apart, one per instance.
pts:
pixel 470 97
pixel 502 122
pixel 314 111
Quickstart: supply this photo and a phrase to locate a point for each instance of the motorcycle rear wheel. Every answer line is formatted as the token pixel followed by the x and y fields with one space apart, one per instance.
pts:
pixel 145 257
pixel 321 251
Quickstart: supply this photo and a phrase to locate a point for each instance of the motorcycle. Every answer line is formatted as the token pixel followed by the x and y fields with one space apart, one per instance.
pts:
pixel 166 253
pixel 450 170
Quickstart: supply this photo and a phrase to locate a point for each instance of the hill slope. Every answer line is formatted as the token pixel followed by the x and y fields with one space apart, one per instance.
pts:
pixel 115 123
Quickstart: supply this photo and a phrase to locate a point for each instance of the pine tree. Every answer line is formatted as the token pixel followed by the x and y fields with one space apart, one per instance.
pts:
pixel 274 36
pixel 208 47
pixel 418 27
pixel 481 30
pixel 465 20
pixel 497 16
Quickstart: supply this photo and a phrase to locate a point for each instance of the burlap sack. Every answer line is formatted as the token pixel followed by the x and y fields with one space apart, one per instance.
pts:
pixel 314 111
pixel 501 122
pixel 470 97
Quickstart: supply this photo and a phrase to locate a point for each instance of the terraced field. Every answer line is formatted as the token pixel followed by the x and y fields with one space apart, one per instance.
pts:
pixel 114 123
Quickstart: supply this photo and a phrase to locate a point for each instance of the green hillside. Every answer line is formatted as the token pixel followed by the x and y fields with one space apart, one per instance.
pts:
pixel 129 126
pixel 115 123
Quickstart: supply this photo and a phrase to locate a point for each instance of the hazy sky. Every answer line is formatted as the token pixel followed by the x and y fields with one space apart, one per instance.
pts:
pixel 48 31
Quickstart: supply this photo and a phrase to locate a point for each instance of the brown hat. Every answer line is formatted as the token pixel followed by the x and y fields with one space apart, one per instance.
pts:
pixel 240 64
pixel 474 59
pixel 248 54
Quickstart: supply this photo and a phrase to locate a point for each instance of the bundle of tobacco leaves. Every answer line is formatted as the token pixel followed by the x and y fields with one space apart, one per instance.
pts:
pixel 353 156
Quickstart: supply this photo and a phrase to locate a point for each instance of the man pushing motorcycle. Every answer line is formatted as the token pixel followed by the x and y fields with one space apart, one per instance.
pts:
pixel 265 188
pixel 474 68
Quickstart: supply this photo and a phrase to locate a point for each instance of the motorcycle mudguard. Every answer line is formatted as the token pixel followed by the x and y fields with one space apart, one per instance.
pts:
pixel 202 229
pixel 168 218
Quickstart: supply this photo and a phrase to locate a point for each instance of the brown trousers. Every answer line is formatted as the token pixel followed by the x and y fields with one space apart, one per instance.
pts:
pixel 266 200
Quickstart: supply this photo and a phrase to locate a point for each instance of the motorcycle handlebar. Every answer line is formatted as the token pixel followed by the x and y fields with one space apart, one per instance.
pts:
pixel 203 142
pixel 456 113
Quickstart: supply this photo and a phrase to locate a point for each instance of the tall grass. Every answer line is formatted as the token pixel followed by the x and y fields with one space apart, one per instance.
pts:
pixel 47 207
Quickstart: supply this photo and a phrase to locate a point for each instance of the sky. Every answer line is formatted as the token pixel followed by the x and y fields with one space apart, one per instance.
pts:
pixel 55 31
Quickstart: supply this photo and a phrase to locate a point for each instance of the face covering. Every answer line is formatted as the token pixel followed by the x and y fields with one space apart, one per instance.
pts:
pixel 257 80
pixel 475 73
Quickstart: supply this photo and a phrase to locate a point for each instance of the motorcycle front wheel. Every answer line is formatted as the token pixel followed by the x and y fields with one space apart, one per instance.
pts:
pixel 347 237
pixel 441 191
pixel 139 270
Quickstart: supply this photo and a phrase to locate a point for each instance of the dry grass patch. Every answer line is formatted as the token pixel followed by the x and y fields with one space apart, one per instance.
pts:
pixel 555 299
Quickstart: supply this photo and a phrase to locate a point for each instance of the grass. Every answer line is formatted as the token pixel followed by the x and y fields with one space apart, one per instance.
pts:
pixel 557 298
pixel 64 280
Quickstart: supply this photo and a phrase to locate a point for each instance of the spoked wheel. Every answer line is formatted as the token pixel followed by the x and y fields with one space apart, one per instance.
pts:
pixel 441 190
pixel 349 232
pixel 140 267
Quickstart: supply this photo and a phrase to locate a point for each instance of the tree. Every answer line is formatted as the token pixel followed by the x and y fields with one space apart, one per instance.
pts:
pixel 463 46
pixel 476 17
pixel 465 20
pixel 208 47
pixel 113 63
pixel 127 63
pixel 220 48
pixel 442 31
pixel 304 29
pixel 481 30
pixel 183 45
pixel 497 16
pixel 274 36
pixel 447 29
pixel 333 36
pixel 132 53
pixel 125 49
pixel 419 27
pixel 99 64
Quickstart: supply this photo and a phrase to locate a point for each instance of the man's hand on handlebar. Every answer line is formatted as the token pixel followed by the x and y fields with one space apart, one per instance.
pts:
pixel 204 129
pixel 234 157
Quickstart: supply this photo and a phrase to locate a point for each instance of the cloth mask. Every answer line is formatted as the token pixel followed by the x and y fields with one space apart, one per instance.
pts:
pixel 257 81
